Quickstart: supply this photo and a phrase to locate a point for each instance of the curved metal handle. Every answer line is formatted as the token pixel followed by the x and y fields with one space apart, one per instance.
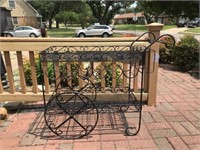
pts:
pixel 142 36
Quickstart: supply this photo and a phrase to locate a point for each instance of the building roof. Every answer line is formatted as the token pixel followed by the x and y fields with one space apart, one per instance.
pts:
pixel 22 8
pixel 129 15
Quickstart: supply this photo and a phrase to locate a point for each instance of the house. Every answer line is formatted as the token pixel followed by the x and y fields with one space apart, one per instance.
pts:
pixel 22 13
pixel 129 18
pixel 164 19
pixel 6 20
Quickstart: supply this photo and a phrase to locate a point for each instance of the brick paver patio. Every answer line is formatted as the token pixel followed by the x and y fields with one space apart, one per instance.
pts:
pixel 174 123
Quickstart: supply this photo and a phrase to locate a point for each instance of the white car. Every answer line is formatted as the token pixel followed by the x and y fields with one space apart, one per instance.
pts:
pixel 95 30
pixel 23 31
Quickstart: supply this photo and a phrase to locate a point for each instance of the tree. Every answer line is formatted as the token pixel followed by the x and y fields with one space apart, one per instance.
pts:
pixel 175 9
pixel 84 12
pixel 67 17
pixel 150 9
pixel 49 9
pixel 104 11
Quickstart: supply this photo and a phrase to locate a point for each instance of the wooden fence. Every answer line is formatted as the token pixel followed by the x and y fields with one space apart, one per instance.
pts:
pixel 14 49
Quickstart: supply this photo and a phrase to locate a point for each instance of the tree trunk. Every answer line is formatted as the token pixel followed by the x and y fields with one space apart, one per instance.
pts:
pixel 57 24
pixel 50 23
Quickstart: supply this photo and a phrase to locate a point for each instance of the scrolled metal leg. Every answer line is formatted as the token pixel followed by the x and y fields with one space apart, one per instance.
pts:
pixel 71 115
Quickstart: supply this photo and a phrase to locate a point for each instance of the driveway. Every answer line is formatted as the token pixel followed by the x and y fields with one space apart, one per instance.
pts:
pixel 176 32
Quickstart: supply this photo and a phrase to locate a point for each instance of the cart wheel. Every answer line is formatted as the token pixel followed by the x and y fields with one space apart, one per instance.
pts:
pixel 71 116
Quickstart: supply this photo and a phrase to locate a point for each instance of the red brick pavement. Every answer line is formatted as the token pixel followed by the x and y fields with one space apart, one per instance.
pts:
pixel 174 123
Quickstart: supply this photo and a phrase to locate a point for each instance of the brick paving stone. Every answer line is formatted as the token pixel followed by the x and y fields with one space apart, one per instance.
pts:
pixel 192 129
pixel 176 119
pixel 177 98
pixel 113 137
pixel 19 126
pixel 7 143
pixel 66 147
pixel 157 116
pixel 122 145
pixel 142 144
pixel 193 139
pixel 108 145
pixel 179 129
pixel 182 108
pixel 196 113
pixel 168 106
pixel 160 125
pixel 146 117
pixel 162 133
pixel 163 143
pixel 170 113
pixel 196 124
pixel 146 108
pixel 58 141
pixel 168 98
pixel 194 147
pixel 52 147
pixel 27 140
pixel 39 141
pixel 142 135
pixel 93 138
pixel 177 143
pixel 189 116
pixel 30 148
pixel 87 146
pixel 194 104
pixel 27 115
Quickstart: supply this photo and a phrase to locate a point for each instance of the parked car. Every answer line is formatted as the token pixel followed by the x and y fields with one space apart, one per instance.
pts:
pixel 23 31
pixel 194 23
pixel 95 30
pixel 182 23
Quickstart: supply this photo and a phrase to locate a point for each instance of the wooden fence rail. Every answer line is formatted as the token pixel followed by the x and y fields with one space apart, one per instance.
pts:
pixel 14 50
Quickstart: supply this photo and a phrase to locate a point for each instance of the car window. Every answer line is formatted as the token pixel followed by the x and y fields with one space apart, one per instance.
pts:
pixel 90 27
pixel 101 27
pixel 97 27
pixel 18 29
pixel 26 28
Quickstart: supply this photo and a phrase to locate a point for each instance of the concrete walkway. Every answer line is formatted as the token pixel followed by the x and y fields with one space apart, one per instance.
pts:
pixel 174 123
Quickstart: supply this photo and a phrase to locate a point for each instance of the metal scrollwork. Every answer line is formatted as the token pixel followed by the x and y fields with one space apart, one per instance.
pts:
pixel 81 73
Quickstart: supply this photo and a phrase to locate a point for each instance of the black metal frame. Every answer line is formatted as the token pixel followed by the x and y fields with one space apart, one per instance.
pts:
pixel 71 112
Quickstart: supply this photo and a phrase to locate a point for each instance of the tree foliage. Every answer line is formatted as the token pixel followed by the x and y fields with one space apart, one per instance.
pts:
pixel 175 9
pixel 49 9
pixel 67 17
pixel 104 11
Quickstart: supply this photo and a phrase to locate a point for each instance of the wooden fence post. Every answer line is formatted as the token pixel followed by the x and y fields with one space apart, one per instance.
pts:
pixel 155 28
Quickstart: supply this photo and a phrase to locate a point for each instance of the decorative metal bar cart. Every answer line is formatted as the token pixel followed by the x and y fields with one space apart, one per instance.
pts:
pixel 90 82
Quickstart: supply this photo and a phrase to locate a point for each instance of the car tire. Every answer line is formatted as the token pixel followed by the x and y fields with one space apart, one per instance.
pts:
pixel 81 35
pixel 105 35
pixel 9 35
pixel 33 35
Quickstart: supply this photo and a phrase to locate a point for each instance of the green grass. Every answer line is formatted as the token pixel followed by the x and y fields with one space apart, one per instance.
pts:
pixel 139 27
pixel 61 32
pixel 69 32
pixel 130 27
pixel 193 30
pixel 169 27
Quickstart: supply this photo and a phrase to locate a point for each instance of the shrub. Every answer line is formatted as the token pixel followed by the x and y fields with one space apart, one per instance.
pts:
pixel 63 73
pixel 186 53
pixel 165 51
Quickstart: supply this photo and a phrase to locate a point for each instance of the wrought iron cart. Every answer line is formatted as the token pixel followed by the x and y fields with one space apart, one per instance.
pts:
pixel 90 82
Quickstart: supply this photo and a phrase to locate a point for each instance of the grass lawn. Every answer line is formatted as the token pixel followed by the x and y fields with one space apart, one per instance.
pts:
pixel 69 32
pixel 61 32
pixel 139 27
pixel 193 30
pixel 66 33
